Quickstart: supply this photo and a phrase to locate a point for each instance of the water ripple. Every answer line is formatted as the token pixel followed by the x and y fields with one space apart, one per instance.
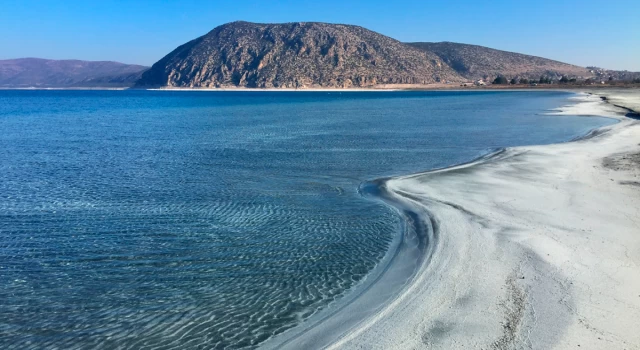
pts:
pixel 155 220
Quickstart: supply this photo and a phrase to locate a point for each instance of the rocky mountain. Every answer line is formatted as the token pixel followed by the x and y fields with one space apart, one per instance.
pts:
pixel 295 55
pixel 37 72
pixel 478 62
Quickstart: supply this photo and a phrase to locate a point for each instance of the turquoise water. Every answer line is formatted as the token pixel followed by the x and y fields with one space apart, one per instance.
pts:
pixel 162 220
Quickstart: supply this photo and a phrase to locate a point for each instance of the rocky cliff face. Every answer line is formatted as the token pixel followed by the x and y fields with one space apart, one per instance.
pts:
pixel 37 72
pixel 295 55
pixel 478 62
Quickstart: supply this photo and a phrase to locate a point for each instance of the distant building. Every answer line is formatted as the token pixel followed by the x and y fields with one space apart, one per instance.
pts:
pixel 479 83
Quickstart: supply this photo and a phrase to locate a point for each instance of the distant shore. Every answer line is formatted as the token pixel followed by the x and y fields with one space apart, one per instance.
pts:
pixel 415 87
pixel 386 87
pixel 63 88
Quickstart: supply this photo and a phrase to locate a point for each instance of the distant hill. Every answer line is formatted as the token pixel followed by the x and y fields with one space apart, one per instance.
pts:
pixel 478 62
pixel 42 73
pixel 295 55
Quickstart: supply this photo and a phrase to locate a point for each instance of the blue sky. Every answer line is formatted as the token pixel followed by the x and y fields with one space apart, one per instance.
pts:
pixel 587 32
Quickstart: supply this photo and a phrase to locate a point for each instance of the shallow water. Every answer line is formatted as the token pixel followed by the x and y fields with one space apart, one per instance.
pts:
pixel 139 219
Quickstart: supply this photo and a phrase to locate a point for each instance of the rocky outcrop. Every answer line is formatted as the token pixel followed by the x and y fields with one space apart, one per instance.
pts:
pixel 295 55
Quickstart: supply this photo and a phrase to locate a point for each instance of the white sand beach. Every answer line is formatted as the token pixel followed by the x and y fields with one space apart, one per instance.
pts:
pixel 530 248
pixel 536 247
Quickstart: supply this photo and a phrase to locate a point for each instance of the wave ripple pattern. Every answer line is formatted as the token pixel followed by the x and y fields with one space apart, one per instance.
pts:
pixel 189 220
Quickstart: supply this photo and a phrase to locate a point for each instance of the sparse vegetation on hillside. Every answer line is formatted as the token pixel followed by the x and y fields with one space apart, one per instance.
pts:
pixel 477 62
pixel 296 55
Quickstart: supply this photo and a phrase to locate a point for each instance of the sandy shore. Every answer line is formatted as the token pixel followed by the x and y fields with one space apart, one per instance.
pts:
pixel 535 247
pixel 530 248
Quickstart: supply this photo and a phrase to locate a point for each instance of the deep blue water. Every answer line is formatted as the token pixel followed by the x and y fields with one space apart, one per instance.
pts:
pixel 139 219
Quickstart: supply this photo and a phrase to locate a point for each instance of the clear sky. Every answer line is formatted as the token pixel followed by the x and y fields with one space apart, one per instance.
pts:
pixel 587 32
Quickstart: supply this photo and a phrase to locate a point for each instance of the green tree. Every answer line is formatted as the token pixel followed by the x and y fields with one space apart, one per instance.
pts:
pixel 501 80
pixel 564 79
pixel 524 81
pixel 513 81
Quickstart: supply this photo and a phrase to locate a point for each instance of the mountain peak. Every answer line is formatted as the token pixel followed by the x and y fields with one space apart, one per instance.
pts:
pixel 298 54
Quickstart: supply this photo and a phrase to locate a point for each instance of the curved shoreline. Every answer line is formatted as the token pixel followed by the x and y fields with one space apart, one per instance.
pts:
pixel 406 255
pixel 381 286
pixel 508 302
pixel 364 321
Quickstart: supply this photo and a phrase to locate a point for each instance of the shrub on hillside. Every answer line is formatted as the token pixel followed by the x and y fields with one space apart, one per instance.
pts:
pixel 501 80
pixel 544 80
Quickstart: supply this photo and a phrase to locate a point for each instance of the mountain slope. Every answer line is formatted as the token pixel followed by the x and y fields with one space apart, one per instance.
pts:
pixel 477 62
pixel 295 55
pixel 37 72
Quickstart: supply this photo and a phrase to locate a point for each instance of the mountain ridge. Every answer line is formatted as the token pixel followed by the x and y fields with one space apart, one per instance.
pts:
pixel 480 62
pixel 45 73
pixel 295 55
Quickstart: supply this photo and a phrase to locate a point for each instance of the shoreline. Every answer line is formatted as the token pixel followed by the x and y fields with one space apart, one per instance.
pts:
pixel 382 88
pixel 401 87
pixel 64 89
pixel 507 227
pixel 408 251
pixel 497 305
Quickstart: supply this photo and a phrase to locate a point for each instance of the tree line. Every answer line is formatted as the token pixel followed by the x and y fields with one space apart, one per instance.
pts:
pixel 502 80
